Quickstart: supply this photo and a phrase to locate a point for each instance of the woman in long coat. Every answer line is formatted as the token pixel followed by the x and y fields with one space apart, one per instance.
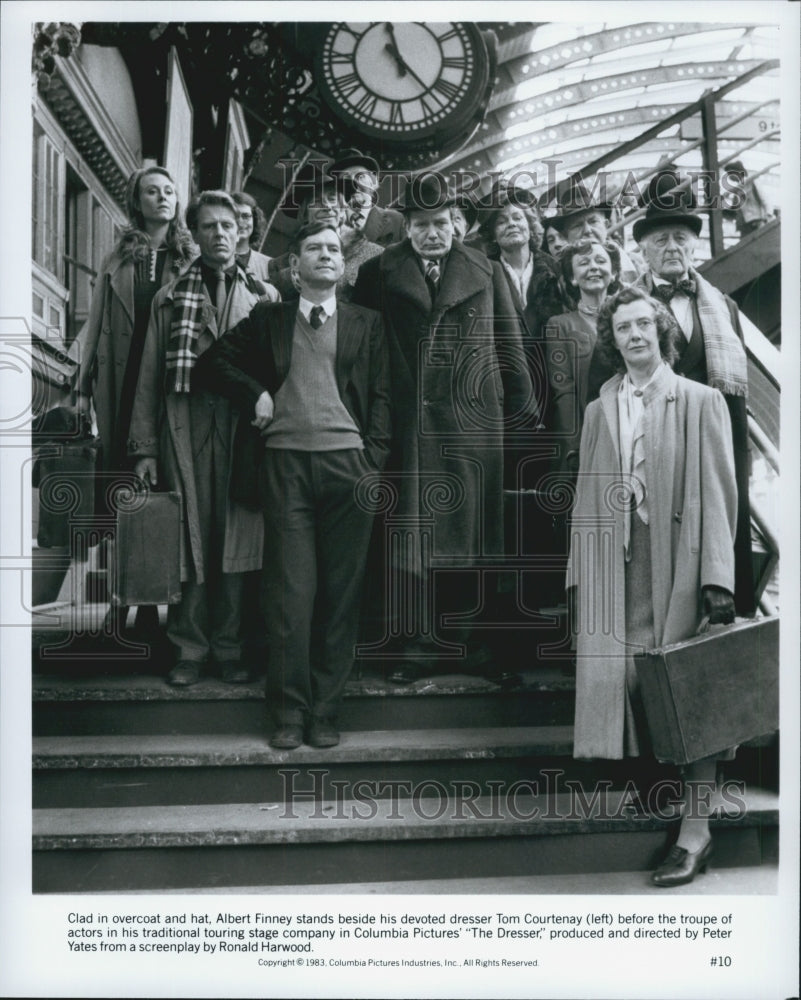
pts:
pixel 153 250
pixel 652 540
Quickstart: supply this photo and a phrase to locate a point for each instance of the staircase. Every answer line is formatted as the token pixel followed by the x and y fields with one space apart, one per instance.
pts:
pixel 138 786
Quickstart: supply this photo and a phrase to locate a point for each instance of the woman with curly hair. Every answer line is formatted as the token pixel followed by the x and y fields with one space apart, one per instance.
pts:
pixel 592 270
pixel 251 224
pixel 154 248
pixel 652 544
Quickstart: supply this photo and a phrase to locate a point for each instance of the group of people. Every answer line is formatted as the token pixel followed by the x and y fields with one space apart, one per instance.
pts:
pixel 426 351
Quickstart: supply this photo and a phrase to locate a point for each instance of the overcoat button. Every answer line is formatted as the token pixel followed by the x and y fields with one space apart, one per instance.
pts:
pixel 677 517
pixel 471 311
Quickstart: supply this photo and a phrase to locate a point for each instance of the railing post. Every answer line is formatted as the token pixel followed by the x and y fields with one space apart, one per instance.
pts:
pixel 710 150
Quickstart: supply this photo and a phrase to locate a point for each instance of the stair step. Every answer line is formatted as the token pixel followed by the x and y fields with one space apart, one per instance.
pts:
pixel 143 703
pixel 354 820
pixel 718 881
pixel 376 746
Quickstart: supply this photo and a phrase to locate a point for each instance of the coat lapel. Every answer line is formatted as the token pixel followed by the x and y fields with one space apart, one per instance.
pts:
pixel 403 277
pixel 460 280
pixel 121 280
pixel 350 333
pixel 281 334
pixel 608 399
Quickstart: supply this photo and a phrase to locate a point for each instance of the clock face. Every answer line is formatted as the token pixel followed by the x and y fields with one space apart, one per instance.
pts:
pixel 402 81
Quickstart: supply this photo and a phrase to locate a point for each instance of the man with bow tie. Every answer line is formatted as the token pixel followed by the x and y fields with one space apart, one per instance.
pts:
pixel 460 388
pixel 312 376
pixel 711 346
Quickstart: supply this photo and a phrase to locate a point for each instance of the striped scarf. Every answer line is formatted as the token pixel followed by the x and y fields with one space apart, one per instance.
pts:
pixel 188 298
pixel 726 361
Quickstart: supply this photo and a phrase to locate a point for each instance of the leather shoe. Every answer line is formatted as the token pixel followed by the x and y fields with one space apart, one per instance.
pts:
pixel 681 866
pixel 287 737
pixel 234 672
pixel 322 732
pixel 185 673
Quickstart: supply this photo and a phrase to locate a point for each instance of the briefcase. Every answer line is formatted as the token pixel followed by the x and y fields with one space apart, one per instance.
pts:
pixel 148 550
pixel 713 691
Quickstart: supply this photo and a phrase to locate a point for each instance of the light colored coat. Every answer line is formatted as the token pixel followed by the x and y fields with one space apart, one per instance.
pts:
pixel 692 509
pixel 160 429
pixel 105 342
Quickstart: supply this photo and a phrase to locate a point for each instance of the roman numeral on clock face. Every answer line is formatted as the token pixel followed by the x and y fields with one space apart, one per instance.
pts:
pixel 348 84
pixel 396 113
pixel 454 62
pixel 341 58
pixel 447 89
pixel 367 104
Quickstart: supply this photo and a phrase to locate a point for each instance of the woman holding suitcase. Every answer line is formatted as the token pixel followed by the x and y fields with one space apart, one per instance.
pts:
pixel 652 548
pixel 152 250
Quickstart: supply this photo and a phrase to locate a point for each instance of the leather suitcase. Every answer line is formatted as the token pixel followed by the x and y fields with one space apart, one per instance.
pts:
pixel 148 562
pixel 713 691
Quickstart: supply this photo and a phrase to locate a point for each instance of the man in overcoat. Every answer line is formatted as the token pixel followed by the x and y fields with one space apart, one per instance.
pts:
pixel 711 350
pixel 460 383
pixel 182 437
pixel 312 374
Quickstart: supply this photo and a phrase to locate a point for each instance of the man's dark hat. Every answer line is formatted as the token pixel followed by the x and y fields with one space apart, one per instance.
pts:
pixel 310 179
pixel 574 200
pixel 353 158
pixel 428 192
pixel 666 206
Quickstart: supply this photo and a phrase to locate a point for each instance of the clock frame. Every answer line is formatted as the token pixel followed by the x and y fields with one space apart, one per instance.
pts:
pixel 406 82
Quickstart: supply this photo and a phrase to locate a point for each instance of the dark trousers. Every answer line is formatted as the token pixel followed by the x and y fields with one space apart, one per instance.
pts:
pixel 315 549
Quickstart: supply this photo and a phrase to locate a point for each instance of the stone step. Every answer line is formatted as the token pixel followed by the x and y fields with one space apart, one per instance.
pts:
pixel 185 769
pixel 760 880
pixel 142 703
pixel 245 844
pixel 118 771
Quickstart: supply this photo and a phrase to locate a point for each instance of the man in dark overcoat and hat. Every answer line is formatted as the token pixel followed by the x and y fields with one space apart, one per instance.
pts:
pixel 459 386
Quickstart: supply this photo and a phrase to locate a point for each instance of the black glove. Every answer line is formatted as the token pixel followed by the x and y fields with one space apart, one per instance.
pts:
pixel 718 605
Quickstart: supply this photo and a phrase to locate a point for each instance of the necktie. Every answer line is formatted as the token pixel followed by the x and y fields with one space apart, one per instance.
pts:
pixel 666 292
pixel 220 294
pixel 316 317
pixel 356 221
pixel 432 277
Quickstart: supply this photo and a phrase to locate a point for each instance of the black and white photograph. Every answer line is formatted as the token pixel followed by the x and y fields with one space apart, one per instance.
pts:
pixel 400 500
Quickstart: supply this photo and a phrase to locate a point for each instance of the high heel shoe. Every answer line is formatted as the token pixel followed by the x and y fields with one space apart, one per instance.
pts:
pixel 681 866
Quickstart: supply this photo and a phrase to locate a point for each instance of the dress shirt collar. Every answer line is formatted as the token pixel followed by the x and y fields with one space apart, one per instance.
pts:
pixel 329 306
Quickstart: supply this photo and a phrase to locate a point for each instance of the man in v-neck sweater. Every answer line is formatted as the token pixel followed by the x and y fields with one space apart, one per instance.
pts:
pixel 314 376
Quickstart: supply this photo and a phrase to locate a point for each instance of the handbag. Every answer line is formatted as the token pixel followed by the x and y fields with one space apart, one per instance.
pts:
pixel 713 691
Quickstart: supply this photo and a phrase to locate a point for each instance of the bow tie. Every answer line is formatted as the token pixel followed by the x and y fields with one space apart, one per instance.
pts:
pixel 666 292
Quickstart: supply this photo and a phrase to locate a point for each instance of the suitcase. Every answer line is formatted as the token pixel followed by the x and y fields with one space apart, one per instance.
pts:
pixel 65 475
pixel 713 691
pixel 148 550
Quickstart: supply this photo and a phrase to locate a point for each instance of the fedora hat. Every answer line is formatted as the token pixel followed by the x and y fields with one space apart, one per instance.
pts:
pixel 353 158
pixel 426 192
pixel 507 192
pixel 573 200
pixel 667 207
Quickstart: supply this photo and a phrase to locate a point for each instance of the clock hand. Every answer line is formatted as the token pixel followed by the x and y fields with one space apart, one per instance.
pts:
pixel 389 47
pixel 399 58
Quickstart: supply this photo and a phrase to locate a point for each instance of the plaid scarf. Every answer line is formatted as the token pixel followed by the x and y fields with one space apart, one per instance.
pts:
pixel 726 361
pixel 188 298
